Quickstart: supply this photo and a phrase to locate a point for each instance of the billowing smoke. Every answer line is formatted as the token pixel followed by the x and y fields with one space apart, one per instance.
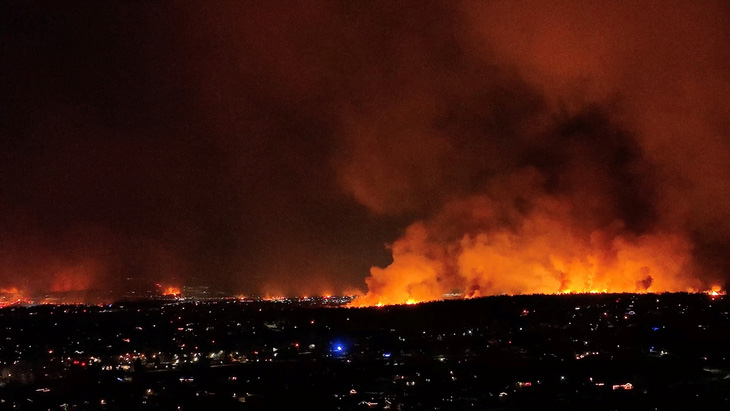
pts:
pixel 564 149
pixel 516 238
pixel 497 146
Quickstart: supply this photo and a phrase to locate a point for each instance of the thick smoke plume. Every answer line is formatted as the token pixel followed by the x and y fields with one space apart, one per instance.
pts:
pixel 516 238
pixel 497 146
pixel 573 149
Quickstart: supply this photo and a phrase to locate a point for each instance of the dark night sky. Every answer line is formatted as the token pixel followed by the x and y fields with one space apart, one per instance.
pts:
pixel 262 147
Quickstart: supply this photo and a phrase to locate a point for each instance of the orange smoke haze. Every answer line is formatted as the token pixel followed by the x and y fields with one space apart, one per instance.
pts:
pixel 272 148
pixel 599 164
pixel 74 278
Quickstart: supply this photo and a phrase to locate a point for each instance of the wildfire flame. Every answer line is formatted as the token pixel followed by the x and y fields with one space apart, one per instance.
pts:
pixel 171 291
pixel 544 252
pixel 360 302
pixel 11 296
pixel 715 291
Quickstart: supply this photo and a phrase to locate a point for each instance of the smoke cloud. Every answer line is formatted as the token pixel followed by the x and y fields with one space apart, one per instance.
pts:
pixel 587 152
pixel 497 147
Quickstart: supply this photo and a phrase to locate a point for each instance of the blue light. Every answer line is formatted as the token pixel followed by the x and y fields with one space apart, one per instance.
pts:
pixel 338 347
pixel 386 355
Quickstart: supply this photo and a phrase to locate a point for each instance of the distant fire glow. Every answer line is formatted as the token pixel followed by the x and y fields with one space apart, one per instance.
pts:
pixel 715 291
pixel 12 296
pixel 361 301
pixel 171 291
